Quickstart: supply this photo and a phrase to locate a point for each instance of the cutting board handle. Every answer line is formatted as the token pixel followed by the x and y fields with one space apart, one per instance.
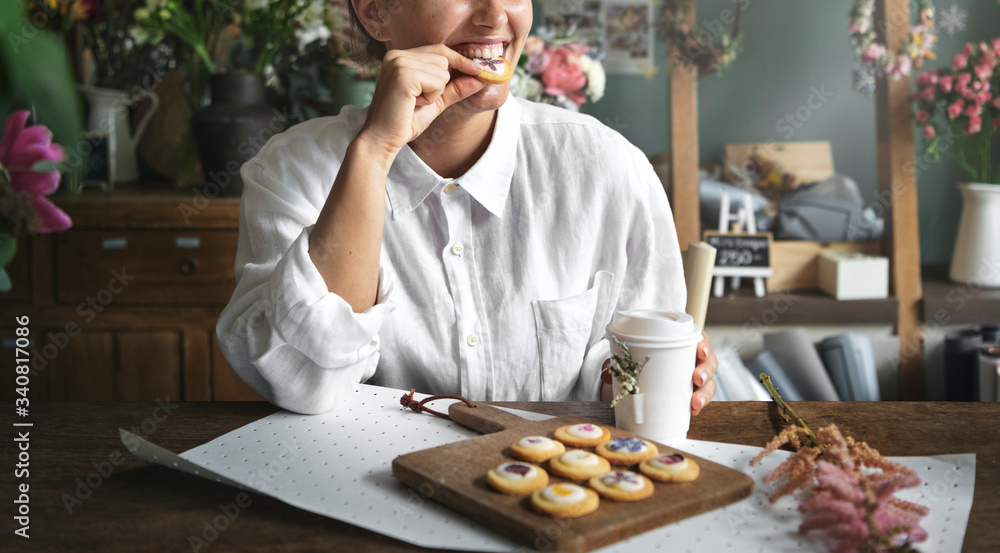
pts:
pixel 484 418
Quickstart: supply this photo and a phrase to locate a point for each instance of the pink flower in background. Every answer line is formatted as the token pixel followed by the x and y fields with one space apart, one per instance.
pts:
pixel 928 93
pixel 968 49
pixel 536 64
pixel 954 110
pixel 973 110
pixel 996 104
pixel 929 131
pixel 959 61
pixel 20 149
pixel 983 71
pixel 563 75
pixel 927 78
pixel 996 124
pixel 945 82
pixel 873 53
pixel 974 125
pixel 923 116
pixel 996 45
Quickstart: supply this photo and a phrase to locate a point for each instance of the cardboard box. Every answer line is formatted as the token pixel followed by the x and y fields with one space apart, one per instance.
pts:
pixel 854 276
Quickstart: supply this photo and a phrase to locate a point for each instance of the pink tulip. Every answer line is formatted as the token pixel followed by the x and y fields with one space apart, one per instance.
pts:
pixel 20 149
pixel 923 116
pixel 929 131
pixel 954 110
pixel 973 125
pixel 959 61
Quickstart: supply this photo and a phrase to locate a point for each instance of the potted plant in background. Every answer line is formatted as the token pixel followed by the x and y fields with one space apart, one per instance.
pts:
pixel 238 120
pixel 113 68
pixel 29 160
pixel 958 114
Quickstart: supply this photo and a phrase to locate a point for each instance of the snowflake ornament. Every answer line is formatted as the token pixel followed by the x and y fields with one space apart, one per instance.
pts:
pixel 953 19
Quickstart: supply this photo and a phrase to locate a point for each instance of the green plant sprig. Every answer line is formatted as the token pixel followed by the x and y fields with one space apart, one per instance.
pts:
pixel 626 371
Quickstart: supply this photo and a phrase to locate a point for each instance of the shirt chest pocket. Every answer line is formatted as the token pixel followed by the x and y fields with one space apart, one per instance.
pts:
pixel 566 329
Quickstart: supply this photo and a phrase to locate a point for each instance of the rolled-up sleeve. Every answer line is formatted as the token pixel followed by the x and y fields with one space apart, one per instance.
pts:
pixel 293 341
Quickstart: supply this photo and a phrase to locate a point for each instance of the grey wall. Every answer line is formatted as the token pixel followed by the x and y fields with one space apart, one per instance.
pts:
pixel 791 50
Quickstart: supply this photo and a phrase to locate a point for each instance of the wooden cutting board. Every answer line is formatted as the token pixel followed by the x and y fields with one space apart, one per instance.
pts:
pixel 455 475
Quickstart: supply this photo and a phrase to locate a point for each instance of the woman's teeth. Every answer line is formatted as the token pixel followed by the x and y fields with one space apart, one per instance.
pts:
pixel 487 52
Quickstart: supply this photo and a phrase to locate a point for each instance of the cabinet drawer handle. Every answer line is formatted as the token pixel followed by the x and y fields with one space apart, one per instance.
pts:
pixel 188 266
pixel 114 243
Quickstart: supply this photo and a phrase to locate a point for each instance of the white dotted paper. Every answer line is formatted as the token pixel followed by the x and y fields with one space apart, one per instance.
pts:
pixel 339 465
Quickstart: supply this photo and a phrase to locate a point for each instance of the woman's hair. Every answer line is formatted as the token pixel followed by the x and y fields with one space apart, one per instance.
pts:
pixel 365 49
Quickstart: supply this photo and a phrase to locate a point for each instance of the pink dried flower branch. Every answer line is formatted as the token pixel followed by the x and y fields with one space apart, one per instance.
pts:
pixel 852 487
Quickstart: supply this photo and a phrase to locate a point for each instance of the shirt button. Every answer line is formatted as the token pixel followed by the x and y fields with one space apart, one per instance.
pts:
pixel 472 340
pixel 457 249
pixel 450 188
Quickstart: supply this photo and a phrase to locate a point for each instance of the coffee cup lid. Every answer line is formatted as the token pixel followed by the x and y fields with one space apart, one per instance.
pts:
pixel 650 325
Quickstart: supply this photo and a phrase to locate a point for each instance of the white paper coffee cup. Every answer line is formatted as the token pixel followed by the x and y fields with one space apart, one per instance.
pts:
pixel 662 409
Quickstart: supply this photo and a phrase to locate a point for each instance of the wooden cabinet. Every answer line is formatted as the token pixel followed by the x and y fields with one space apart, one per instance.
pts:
pixel 123 306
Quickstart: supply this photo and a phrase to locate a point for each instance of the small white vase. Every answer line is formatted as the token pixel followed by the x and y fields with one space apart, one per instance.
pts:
pixel 977 248
pixel 108 113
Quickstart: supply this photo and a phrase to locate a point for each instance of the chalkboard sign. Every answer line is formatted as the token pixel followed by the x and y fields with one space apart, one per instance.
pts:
pixel 751 251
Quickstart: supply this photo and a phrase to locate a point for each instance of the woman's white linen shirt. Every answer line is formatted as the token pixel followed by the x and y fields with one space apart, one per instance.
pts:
pixel 496 285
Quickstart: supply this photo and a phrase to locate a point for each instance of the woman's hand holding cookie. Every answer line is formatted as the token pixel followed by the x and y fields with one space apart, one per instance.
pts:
pixel 414 87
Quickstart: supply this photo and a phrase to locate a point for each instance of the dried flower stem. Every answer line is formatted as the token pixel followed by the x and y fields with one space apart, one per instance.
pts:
pixel 765 379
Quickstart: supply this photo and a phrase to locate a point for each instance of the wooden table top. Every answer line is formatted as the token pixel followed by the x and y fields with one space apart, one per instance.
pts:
pixel 88 493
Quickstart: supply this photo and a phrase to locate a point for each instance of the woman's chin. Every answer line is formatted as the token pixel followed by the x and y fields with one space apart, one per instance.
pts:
pixel 488 99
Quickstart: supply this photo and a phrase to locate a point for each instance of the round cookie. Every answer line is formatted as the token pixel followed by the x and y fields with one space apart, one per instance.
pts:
pixel 577 464
pixel 565 501
pixel 582 435
pixel 517 478
pixel 622 485
pixel 494 70
pixel 536 449
pixel 626 451
pixel 670 467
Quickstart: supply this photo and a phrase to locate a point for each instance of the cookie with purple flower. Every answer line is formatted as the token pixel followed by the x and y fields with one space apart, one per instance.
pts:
pixel 622 485
pixel 670 467
pixel 627 451
pixel 536 449
pixel 517 478
pixel 582 435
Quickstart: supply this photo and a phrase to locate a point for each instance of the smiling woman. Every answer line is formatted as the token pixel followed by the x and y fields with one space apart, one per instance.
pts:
pixel 449 238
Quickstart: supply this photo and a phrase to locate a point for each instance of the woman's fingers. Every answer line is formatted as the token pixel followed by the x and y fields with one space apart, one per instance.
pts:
pixel 702 396
pixel 414 87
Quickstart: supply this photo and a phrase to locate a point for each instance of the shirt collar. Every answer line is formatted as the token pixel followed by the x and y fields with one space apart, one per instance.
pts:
pixel 488 181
